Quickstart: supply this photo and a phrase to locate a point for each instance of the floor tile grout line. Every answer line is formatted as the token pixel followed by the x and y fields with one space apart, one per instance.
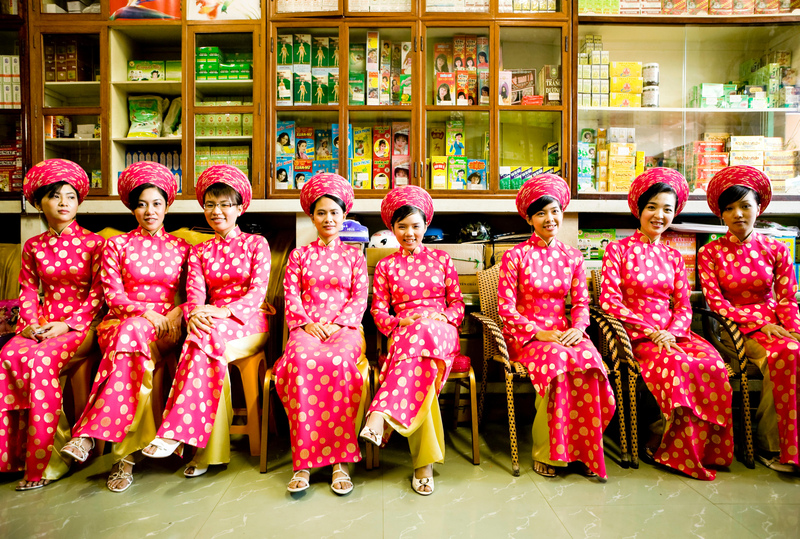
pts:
pixel 216 504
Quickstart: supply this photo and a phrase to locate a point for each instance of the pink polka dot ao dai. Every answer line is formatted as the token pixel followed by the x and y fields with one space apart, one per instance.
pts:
pixel 140 273
pixel 640 279
pixel 420 354
pixel 535 281
pixel 230 272
pixel 319 382
pixel 67 265
pixel 754 284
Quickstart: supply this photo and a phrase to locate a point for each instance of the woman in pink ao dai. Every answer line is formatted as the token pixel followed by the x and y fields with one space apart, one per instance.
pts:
pixel 322 376
pixel 574 401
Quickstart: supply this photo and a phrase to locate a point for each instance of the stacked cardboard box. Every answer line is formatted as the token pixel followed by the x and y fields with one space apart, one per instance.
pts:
pixel 308 70
pixel 170 159
pixel 379 71
pixel 223 125
pixel 593 73
pixel 208 156
pixel 68 59
pixel 211 63
pixel 10 89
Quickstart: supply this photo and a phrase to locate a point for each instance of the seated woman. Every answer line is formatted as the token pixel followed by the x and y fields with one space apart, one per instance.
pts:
pixel 65 261
pixel 142 273
pixel 322 376
pixel 749 278
pixel 646 288
pixel 417 304
pixel 574 401
pixel 225 288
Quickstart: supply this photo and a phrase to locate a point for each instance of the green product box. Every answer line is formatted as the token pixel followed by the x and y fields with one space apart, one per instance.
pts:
pixel 285 85
pixel 456 173
pixel 333 52
pixel 173 70
pixel 333 86
pixel 357 59
pixel 320 53
pixel 302 89
pixel 405 89
pixel 319 86
pixel 355 89
pixel 301 53
pixel 149 70
pixel 204 52
pixel 593 242
pixel 285 48
pixel 247 125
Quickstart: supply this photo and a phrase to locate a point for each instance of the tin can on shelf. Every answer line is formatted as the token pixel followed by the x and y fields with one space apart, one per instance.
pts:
pixel 650 96
pixel 650 74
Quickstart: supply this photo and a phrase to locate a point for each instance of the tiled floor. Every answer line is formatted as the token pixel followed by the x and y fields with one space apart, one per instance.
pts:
pixel 470 501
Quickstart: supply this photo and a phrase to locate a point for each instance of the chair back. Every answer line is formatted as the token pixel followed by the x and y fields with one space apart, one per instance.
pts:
pixel 488 282
pixel 595 279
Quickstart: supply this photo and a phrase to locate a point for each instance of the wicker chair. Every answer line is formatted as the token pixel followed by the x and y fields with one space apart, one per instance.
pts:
pixel 613 339
pixel 738 366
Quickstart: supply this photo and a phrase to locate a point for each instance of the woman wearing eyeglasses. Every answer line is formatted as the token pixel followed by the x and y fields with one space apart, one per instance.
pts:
pixel 225 287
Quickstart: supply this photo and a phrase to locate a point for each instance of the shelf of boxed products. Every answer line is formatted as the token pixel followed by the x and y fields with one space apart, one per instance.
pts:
pixel 306 64
pixel 709 11
pixel 304 8
pixel 457 66
pixel 380 150
pixel 72 94
pixel 377 8
pixel 304 142
pixel 449 8
pixel 530 143
pixel 457 152
pixel 223 67
pixel 380 65
pixel 71 69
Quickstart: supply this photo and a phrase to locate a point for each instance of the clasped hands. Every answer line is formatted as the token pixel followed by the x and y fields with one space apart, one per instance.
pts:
pixel 416 316
pixel 39 333
pixel 169 325
pixel 201 319
pixel 321 331
pixel 570 337
pixel 665 339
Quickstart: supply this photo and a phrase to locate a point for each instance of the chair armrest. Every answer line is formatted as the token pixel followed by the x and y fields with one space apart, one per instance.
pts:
pixel 737 359
pixel 491 328
pixel 616 337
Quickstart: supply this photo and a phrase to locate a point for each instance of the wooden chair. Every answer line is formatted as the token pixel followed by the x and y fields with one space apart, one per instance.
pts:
pixel 739 368
pixel 250 369
pixel 495 348
pixel 462 375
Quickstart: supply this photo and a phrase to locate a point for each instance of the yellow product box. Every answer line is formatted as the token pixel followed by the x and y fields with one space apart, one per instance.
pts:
pixel 625 100
pixel 438 172
pixel 715 137
pixel 779 172
pixel 618 177
pixel 640 160
pixel 754 158
pixel 621 162
pixel 746 143
pixel 782 157
pixel 773 143
pixel 627 85
pixel 621 148
pixel 493 253
pixel 625 69
pixel 602 157
pixel 362 173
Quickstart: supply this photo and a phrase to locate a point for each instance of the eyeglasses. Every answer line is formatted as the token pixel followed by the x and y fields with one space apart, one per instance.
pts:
pixel 224 206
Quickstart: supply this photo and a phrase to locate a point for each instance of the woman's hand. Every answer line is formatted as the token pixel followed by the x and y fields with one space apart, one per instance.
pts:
pixel 211 311
pixel 665 339
pixel 30 332
pixel 437 316
pixel 53 329
pixel 332 328
pixel 198 324
pixel 571 337
pixel 410 320
pixel 774 330
pixel 159 321
pixel 315 329
pixel 549 336
pixel 174 322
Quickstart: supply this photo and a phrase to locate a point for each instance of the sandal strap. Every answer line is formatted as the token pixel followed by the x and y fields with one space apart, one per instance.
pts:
pixel 343 478
pixel 121 473
pixel 84 453
pixel 296 477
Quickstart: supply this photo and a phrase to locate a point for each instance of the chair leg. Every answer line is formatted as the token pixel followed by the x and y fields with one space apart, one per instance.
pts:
pixel 250 382
pixel 632 376
pixel 512 424
pixel 376 451
pixel 456 402
pixel 483 388
pixel 623 428
pixel 265 420
pixel 747 423
pixel 476 450
pixel 369 446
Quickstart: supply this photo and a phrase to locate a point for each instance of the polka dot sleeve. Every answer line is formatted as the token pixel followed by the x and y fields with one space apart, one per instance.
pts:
pixel 682 307
pixel 381 299
pixel 296 315
pixel 28 289
pixel 785 286
pixel 611 290
pixel 352 312
pixel 515 324
pixel 81 317
pixel 195 282
pixel 455 300
pixel 119 303
pixel 260 264
pixel 579 294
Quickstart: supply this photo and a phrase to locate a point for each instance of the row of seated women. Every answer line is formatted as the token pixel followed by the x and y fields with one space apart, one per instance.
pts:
pixel 321 377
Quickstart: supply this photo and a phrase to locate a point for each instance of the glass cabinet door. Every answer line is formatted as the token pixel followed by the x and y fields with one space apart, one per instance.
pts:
pixel 455 6
pixel 295 8
pixel 11 116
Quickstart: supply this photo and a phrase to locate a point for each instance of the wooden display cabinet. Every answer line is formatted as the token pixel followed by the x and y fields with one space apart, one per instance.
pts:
pixel 450 9
pixel 391 9
pixel 16 118
pixel 229 137
pixel 292 9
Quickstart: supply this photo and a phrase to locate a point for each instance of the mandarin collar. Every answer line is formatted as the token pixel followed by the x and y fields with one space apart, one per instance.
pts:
pixel 539 241
pixel 415 252
pixel 644 238
pixel 157 234
pixel 731 237
pixel 235 233
pixel 334 243
pixel 69 230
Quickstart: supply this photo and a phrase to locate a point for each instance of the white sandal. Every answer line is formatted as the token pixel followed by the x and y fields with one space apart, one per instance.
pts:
pixel 198 471
pixel 417 485
pixel 344 477
pixel 302 480
pixel 76 450
pixel 163 448
pixel 121 474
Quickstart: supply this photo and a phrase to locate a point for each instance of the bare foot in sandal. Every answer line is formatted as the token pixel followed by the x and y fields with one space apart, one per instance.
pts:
pixel 545 470
pixel 299 481
pixel 373 429
pixel 32 485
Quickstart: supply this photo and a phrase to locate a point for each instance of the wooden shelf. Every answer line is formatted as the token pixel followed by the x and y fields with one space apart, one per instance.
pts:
pixel 70 141
pixel 685 20
pixel 224 139
pixel 146 141
pixel 159 87
pixel 80 89
pixel 224 85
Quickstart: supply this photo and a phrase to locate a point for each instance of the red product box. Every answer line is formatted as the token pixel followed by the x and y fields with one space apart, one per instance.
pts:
pixel 381 142
pixel 696 7
pixel 701 146
pixel 743 7
pixel 767 7
pixel 720 7
pixel 714 159
pixel 381 171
